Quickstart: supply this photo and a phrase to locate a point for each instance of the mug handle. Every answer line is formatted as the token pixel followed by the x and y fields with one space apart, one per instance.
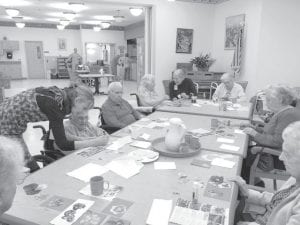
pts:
pixel 106 183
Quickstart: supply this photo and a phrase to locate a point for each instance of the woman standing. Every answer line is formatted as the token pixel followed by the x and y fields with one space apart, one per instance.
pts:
pixel 42 104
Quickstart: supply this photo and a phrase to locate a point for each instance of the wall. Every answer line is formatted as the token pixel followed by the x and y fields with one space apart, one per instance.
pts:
pixel 135 30
pixel 279 46
pixel 50 42
pixel 252 10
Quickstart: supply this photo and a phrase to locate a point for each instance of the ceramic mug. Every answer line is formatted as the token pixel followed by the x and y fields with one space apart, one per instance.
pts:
pixel 98 184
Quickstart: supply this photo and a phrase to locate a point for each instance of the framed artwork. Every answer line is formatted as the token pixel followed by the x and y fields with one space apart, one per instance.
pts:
pixel 184 40
pixel 62 45
pixel 234 24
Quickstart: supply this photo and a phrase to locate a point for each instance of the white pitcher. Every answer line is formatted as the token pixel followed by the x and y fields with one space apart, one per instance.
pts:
pixel 175 134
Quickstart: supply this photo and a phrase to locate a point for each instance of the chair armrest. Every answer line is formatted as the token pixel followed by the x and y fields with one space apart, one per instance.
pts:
pixel 272 151
pixel 256 188
pixel 145 109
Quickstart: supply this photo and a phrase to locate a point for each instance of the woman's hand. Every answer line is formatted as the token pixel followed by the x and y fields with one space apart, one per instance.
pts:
pixel 250 131
pixel 241 184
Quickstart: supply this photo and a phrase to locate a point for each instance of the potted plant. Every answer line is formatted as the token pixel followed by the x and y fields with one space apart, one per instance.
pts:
pixel 203 62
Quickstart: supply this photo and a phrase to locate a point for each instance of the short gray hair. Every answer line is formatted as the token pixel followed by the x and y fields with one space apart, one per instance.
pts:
pixel 146 79
pixel 179 72
pixel 292 134
pixel 282 93
pixel 114 85
pixel 11 159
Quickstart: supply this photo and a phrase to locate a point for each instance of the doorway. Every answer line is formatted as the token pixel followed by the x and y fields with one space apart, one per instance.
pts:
pixel 35 59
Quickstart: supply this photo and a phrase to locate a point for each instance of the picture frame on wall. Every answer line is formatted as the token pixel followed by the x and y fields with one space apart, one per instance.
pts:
pixel 233 26
pixel 62 45
pixel 184 40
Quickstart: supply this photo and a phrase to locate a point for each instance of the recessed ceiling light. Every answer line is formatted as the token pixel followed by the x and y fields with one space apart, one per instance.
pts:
pixel 60 27
pixel 136 11
pixel 105 25
pixel 171 0
pixel 12 12
pixel 104 17
pixel 10 3
pixel 77 6
pixel 96 28
pixel 20 25
pixel 69 15
pixel 64 22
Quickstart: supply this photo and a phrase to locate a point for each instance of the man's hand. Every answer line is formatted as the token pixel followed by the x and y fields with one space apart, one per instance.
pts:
pixel 241 184
pixel 250 131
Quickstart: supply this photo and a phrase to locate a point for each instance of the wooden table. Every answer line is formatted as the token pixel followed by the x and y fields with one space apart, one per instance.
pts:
pixel 96 77
pixel 208 142
pixel 141 189
pixel 207 108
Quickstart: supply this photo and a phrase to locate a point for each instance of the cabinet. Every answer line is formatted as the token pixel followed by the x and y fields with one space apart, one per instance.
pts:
pixel 62 69
pixel 9 45
pixel 11 69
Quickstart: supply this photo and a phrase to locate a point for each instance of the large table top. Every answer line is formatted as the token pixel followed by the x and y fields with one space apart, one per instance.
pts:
pixel 207 108
pixel 141 189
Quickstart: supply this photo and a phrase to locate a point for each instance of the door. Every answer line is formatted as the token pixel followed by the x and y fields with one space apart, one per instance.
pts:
pixel 35 59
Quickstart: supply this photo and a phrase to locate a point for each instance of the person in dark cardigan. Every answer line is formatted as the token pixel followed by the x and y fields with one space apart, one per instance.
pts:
pixel 181 87
pixel 42 104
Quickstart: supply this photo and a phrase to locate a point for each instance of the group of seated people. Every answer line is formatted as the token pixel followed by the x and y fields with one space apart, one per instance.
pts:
pixel 282 132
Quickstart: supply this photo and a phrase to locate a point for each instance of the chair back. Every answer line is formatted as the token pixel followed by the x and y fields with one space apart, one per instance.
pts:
pixel 138 100
pixel 196 87
pixel 212 88
pixel 166 84
pixel 243 84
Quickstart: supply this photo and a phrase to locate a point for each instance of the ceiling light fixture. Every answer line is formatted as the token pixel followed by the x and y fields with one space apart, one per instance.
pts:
pixel 60 27
pixel 20 25
pixel 136 11
pixel 96 28
pixel 105 25
pixel 77 6
pixel 12 12
pixel 14 3
pixel 118 18
pixel 69 15
pixel 64 22
pixel 171 0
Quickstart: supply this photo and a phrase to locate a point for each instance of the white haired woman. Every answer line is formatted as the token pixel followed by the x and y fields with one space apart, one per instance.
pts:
pixel 147 94
pixel 11 164
pixel 283 207
pixel 278 100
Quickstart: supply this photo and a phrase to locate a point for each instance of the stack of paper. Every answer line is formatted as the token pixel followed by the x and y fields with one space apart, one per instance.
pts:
pixel 119 143
pixel 125 167
pixel 225 140
pixel 223 163
pixel 230 147
pixel 160 212
pixel 86 172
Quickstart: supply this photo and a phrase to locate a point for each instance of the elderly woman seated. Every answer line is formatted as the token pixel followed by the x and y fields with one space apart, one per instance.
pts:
pixel 278 100
pixel 11 164
pixel 147 94
pixel 283 207
pixel 116 111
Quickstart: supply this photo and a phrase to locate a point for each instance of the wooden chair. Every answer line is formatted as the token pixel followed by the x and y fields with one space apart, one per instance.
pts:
pixel 243 84
pixel 213 86
pixel 166 84
pixel 275 174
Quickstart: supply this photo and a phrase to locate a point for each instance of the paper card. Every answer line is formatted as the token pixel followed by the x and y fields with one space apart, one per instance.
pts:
pixel 116 145
pixel 141 144
pixel 144 119
pixel 125 167
pixel 201 163
pixel 223 163
pixel 91 218
pixel 114 220
pixel 90 151
pixel 145 136
pixel 238 131
pixel 197 105
pixel 155 124
pixel 117 207
pixel 229 147
pixel 72 213
pixel 164 165
pixel 57 203
pixel 87 171
pixel 160 212
pixel 108 194
pixel 200 131
pixel 217 188
pixel 225 140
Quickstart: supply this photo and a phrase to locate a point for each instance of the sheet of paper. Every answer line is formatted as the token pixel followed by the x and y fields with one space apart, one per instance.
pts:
pixel 197 105
pixel 165 166
pixel 72 213
pixel 225 140
pixel 87 171
pixel 160 212
pixel 238 131
pixel 145 136
pixel 116 145
pixel 144 119
pixel 141 144
pixel 200 131
pixel 108 194
pixel 223 163
pixel 230 147
pixel 125 167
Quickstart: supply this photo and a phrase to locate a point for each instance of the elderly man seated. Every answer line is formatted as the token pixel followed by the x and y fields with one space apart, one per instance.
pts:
pixel 11 164
pixel 116 111
pixel 181 87
pixel 228 89
pixel 282 207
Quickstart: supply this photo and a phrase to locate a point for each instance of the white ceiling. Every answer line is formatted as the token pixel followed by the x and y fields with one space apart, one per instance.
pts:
pixel 47 11
pixel 205 1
